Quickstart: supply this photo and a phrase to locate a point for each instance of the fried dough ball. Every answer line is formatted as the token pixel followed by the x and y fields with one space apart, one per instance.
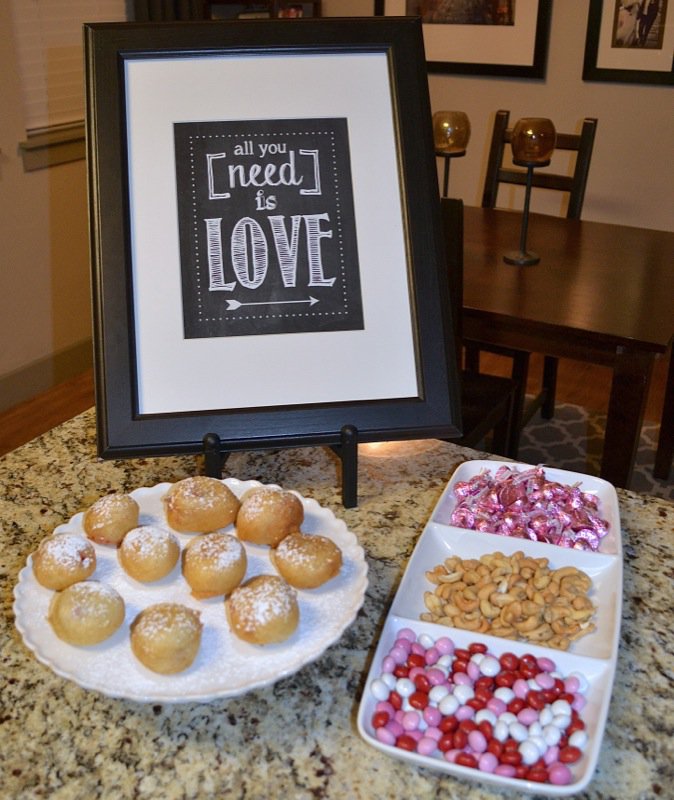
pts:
pixel 264 610
pixel 200 505
pixel 166 637
pixel 86 613
pixel 110 518
pixel 63 559
pixel 267 515
pixel 148 553
pixel 307 561
pixel 214 564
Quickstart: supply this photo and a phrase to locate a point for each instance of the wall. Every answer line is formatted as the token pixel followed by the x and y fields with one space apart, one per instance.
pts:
pixel 632 172
pixel 45 322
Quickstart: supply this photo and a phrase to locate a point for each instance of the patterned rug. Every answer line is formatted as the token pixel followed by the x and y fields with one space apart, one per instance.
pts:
pixel 573 440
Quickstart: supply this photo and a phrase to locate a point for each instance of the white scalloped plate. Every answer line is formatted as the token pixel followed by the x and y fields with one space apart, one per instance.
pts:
pixel 595 655
pixel 225 666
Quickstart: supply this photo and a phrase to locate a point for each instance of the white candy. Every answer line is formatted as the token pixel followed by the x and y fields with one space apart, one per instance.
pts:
pixel 448 705
pixel 545 717
pixel 463 693
pixel 476 658
pixel 437 693
pixel 490 666
pixel 379 689
pixel 578 739
pixel 405 687
pixel 561 721
pixel 529 752
pixel 426 641
pixel 535 729
pixel 561 707
pixel 389 679
pixel 485 714
pixel 508 717
pixel 504 693
pixel 552 735
pixel 444 662
pixel 540 743
pixel 518 731
pixel 501 731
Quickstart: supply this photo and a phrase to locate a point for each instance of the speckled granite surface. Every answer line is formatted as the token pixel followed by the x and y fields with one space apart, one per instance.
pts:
pixel 297 738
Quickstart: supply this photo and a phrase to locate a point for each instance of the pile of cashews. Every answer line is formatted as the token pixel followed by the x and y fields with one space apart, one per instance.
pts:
pixel 515 597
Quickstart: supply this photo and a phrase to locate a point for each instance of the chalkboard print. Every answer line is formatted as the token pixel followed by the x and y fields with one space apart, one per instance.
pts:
pixel 267 228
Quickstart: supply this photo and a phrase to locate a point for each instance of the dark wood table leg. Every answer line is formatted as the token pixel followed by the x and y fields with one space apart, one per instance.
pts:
pixel 665 451
pixel 631 377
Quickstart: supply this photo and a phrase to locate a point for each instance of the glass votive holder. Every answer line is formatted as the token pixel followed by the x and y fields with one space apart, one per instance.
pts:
pixel 533 141
pixel 451 131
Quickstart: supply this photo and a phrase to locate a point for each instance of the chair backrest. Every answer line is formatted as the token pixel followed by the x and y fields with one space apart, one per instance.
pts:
pixel 452 228
pixel 575 183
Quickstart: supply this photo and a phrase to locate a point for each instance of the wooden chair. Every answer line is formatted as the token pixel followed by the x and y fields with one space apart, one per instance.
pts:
pixel 665 449
pixel 487 401
pixel 574 185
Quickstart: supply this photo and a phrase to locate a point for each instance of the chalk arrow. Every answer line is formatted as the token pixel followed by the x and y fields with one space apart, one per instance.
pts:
pixel 232 305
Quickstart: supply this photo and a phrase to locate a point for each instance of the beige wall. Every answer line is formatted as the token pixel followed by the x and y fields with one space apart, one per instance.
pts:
pixel 44 262
pixel 44 269
pixel 632 173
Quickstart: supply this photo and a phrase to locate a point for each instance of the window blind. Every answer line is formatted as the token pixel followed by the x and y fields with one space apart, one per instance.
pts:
pixel 48 39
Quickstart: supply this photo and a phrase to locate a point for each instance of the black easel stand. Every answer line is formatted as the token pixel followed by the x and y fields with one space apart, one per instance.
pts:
pixel 214 456
pixel 347 450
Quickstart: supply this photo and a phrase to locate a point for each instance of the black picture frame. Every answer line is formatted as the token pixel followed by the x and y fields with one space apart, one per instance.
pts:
pixel 604 62
pixel 125 427
pixel 524 55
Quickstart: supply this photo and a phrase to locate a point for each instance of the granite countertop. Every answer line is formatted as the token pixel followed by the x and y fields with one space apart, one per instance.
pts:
pixel 298 737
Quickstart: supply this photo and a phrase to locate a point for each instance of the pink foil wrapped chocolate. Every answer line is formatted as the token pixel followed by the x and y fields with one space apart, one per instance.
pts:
pixel 527 505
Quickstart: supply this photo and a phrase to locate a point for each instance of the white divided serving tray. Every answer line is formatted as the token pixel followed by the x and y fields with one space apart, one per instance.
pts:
pixel 593 655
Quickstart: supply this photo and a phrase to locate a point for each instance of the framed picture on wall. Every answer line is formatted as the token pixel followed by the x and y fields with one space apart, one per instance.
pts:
pixel 480 37
pixel 267 257
pixel 630 42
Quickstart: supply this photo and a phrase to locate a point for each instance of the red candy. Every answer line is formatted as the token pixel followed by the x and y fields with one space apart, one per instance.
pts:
pixel 406 742
pixel 569 754
pixel 509 661
pixel 537 774
pixel 460 739
pixel 419 700
pixel 466 760
pixel 379 719
pixel 506 678
pixel 448 724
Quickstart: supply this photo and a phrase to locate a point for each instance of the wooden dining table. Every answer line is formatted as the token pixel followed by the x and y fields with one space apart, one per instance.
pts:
pixel 601 293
